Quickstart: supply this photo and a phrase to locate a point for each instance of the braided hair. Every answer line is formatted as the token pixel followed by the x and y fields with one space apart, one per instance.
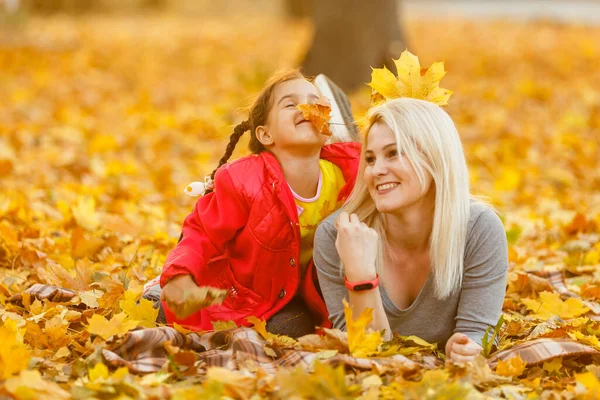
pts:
pixel 238 131
pixel 259 112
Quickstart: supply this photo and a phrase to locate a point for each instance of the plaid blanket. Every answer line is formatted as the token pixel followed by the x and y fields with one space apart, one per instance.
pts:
pixel 38 291
pixel 143 350
pixel 538 351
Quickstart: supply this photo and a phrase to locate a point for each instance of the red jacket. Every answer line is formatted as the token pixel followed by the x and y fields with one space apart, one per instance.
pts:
pixel 244 237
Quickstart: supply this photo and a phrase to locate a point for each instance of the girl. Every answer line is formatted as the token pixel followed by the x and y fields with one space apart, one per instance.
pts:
pixel 414 246
pixel 253 234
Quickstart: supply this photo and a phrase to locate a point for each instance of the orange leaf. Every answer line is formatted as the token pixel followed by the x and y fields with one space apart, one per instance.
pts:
pixel 590 291
pixel 318 114
pixel 511 367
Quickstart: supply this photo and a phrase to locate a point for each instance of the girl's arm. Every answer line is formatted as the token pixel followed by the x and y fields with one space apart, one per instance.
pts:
pixel 484 278
pixel 215 220
pixel 356 245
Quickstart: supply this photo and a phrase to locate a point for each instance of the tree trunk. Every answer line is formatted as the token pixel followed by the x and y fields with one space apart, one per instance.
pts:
pixel 299 8
pixel 350 37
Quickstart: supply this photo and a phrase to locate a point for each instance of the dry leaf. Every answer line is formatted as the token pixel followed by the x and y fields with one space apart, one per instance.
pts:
pixel 84 213
pixel 279 340
pixel 144 312
pixel 550 305
pixel 361 342
pixel 118 325
pixel 14 355
pixel 511 367
pixel 318 114
pixel 31 385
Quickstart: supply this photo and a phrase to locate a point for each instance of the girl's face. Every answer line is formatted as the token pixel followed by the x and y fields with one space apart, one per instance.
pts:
pixel 389 176
pixel 286 127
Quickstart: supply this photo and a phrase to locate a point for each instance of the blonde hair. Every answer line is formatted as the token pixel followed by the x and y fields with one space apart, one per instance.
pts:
pixel 427 136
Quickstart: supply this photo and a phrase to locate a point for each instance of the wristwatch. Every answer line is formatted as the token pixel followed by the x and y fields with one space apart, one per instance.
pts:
pixel 361 286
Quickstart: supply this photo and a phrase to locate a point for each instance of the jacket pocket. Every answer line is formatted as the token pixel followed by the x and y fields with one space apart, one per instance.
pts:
pixel 239 302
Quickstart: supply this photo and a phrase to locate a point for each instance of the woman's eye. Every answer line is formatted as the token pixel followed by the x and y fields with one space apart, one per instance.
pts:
pixel 369 160
pixel 393 153
pixel 290 105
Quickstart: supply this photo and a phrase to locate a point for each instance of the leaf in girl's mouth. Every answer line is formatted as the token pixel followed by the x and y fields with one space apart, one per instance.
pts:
pixel 318 114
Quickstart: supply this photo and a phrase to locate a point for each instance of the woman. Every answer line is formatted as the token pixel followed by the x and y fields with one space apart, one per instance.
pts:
pixel 411 243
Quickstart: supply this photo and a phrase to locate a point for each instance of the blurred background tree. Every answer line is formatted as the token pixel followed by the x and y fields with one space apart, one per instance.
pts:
pixel 345 45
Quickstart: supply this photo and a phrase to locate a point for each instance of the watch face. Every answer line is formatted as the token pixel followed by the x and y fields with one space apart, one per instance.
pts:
pixel 363 286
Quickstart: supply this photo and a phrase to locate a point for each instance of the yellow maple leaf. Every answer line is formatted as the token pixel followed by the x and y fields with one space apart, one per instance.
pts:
pixel 98 372
pixel 435 384
pixel 591 384
pixel 554 365
pixel 261 328
pixel 31 385
pixel 422 345
pixel 360 342
pixel 592 258
pixel 118 325
pixel 585 339
pixel 14 355
pixel 144 312
pixel 90 297
pixel 550 305
pixel 412 81
pixel 511 367
pixel 223 325
pixel 85 213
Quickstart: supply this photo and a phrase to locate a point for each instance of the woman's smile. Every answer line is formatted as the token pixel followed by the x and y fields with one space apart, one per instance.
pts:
pixel 385 188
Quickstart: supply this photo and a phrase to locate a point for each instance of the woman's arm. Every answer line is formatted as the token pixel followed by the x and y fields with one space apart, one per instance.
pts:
pixel 485 275
pixel 356 246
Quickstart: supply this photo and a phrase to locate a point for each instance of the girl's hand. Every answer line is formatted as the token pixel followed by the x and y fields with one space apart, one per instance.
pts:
pixel 183 296
pixel 357 246
pixel 460 348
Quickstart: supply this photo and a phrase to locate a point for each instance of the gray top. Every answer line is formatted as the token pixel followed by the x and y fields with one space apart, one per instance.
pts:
pixel 470 310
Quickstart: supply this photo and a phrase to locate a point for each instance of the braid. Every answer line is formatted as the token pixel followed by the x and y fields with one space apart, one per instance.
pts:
pixel 238 131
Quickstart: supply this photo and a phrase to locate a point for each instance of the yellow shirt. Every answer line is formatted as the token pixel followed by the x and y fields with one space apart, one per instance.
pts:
pixel 312 211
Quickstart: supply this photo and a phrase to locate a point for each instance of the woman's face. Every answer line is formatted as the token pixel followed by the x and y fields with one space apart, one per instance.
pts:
pixel 389 176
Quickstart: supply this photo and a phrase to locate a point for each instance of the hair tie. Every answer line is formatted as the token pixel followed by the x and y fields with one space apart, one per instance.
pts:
pixel 196 189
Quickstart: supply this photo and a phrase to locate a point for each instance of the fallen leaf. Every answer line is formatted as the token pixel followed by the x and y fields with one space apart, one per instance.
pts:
pixel 84 213
pixel 261 328
pixel 223 325
pixel 361 342
pixel 31 385
pixel 117 325
pixel 144 312
pixel 551 305
pixel 511 367
pixel 90 297
pixel 14 355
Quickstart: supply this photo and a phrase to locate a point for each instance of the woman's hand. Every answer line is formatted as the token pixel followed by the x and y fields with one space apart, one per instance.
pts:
pixel 460 348
pixel 183 296
pixel 357 246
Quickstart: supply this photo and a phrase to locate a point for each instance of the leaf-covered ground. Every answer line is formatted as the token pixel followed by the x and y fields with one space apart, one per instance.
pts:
pixel 104 121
